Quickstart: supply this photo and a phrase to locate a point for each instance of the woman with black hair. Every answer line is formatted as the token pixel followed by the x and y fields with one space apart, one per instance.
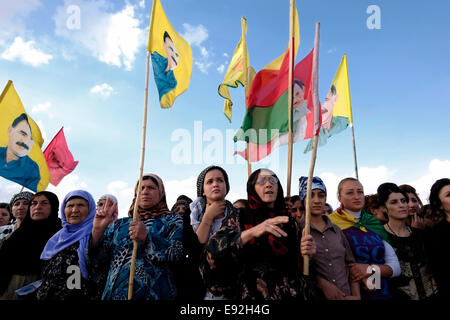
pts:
pixel 415 281
pixel 255 255
pixel 20 253
pixel 438 238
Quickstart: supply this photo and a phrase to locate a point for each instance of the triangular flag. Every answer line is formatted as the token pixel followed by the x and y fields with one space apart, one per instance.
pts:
pixel 237 71
pixel 21 158
pixel 59 159
pixel 337 107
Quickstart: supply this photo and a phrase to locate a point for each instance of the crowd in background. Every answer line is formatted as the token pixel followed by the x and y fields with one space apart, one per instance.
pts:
pixel 383 246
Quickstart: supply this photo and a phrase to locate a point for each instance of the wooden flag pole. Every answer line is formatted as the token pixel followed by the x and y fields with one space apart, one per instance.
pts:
pixel 354 151
pixel 351 122
pixel 249 164
pixel 138 196
pixel 315 97
pixel 291 69
pixel 247 70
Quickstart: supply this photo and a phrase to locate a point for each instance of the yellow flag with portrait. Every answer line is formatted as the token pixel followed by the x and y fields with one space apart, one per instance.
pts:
pixel 171 57
pixel 21 157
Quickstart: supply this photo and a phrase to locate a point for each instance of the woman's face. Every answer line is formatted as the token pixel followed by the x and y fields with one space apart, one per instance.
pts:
pixel 149 194
pixel 397 206
pixel 214 186
pixel 20 208
pixel 413 204
pixel 76 210
pixel 444 197
pixel 351 195
pixel 4 217
pixel 266 187
pixel 431 219
pixel 318 201
pixel 380 214
pixel 104 204
pixel 40 208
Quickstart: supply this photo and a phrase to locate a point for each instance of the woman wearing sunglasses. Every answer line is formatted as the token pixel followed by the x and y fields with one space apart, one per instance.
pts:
pixel 255 254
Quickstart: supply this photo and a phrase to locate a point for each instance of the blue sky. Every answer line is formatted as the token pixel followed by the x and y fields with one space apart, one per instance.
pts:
pixel 91 81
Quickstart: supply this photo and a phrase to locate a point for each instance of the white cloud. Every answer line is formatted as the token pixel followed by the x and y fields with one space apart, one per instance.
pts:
pixel 203 66
pixel 26 52
pixel 437 169
pixel 142 4
pixel 124 194
pixel 69 183
pixel 113 38
pixel 221 68
pixel 175 188
pixel 103 89
pixel 42 108
pixel 8 189
pixel 196 35
pixel 370 178
pixel 204 52
pixel 225 55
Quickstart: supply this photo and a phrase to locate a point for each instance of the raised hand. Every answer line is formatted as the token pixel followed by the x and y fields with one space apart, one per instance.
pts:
pixel 417 222
pixel 102 219
pixel 214 210
pixel 268 226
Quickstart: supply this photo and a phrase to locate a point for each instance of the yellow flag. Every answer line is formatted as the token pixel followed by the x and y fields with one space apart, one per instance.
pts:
pixel 171 57
pixel 343 105
pixel 237 71
pixel 21 158
pixel 337 107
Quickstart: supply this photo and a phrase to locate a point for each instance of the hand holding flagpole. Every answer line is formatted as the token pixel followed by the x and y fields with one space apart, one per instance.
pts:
pixel 138 195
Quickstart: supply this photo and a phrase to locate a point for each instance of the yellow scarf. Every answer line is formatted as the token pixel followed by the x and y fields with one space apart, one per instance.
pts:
pixel 345 220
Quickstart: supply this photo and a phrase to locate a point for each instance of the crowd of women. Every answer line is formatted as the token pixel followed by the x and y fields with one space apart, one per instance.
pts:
pixel 385 246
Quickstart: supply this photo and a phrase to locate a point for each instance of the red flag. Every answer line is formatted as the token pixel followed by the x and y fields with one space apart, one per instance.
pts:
pixel 59 159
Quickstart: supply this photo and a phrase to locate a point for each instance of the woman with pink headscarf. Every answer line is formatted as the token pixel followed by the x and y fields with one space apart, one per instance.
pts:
pixel 107 201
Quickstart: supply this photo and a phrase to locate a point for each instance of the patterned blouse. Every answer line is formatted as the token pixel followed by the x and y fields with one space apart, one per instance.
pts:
pixel 415 281
pixel 63 283
pixel 153 278
pixel 252 271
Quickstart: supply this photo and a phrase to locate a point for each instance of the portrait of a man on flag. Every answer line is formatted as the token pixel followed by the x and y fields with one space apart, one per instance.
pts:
pixel 15 164
pixel 21 157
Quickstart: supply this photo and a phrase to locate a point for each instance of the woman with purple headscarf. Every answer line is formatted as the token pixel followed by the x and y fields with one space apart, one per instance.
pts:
pixel 64 275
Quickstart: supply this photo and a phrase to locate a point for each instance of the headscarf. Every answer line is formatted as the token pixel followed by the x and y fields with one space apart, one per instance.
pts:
pixel 317 183
pixel 182 200
pixel 113 199
pixel 202 175
pixel 198 206
pixel 20 253
pixel 72 233
pixel 157 210
pixel 258 211
pixel 21 195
